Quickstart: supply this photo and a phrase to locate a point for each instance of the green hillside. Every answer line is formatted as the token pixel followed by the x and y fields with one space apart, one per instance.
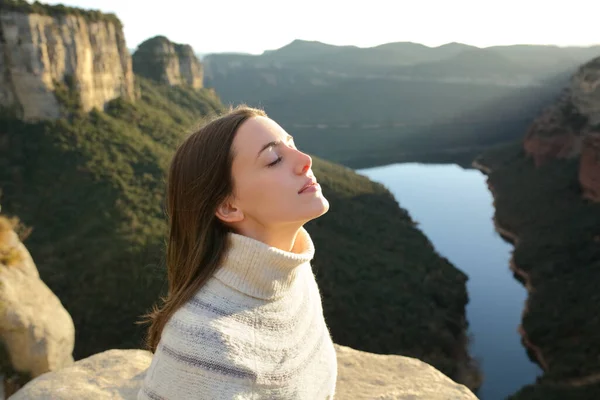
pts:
pixel 91 186
pixel 558 249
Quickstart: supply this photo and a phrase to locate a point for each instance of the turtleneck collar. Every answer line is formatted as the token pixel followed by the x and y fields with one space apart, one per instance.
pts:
pixel 259 270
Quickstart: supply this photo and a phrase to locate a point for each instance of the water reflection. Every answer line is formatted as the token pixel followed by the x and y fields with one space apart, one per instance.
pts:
pixel 453 207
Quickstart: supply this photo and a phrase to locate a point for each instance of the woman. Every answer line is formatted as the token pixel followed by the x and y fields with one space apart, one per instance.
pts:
pixel 243 316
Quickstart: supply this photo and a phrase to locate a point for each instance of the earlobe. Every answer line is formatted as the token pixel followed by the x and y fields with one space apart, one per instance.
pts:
pixel 228 213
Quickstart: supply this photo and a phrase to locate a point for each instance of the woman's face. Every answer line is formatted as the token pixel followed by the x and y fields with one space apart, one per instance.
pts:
pixel 268 173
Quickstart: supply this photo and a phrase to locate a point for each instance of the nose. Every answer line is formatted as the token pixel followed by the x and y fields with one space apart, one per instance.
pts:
pixel 304 163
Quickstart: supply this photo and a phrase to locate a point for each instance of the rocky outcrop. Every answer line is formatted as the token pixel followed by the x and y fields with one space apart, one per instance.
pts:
pixel 36 331
pixel 571 128
pixel 118 374
pixel 39 53
pixel 365 376
pixel 585 87
pixel 556 133
pixel 163 61
pixel 589 167
pixel 112 374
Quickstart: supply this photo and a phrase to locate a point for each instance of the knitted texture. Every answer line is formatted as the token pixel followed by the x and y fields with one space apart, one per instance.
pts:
pixel 255 330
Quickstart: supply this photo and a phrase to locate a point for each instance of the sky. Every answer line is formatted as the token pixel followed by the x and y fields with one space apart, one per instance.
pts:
pixel 252 26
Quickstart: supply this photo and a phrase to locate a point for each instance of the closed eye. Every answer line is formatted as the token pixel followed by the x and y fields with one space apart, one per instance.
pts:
pixel 274 162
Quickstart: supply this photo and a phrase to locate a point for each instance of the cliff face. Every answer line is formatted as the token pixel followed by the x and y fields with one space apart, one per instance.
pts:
pixel 570 128
pixel 36 332
pixel 589 169
pixel 163 61
pixel 555 133
pixel 118 374
pixel 39 51
pixel 586 97
pixel 586 91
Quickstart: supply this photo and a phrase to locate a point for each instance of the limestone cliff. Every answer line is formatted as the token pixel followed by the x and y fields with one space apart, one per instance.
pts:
pixel 118 374
pixel 37 334
pixel 39 52
pixel 570 128
pixel 163 61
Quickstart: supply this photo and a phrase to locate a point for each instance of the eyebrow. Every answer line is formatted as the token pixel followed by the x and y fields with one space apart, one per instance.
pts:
pixel 273 143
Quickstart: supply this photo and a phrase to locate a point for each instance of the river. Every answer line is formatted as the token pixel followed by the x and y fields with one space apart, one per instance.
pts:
pixel 454 208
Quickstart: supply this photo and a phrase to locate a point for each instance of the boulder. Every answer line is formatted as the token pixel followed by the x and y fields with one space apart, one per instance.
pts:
pixel 118 375
pixel 112 374
pixel 36 331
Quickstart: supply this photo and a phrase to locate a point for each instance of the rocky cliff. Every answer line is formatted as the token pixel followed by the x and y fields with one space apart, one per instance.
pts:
pixel 163 61
pixel 589 167
pixel 36 332
pixel 585 87
pixel 41 52
pixel 571 127
pixel 118 374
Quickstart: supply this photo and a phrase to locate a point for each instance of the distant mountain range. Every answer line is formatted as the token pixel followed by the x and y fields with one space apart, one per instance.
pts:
pixel 404 96
pixel 388 59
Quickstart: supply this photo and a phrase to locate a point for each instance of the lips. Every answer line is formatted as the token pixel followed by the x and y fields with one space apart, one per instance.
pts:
pixel 310 182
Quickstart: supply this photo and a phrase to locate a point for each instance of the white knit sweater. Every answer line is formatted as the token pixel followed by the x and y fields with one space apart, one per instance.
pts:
pixel 254 331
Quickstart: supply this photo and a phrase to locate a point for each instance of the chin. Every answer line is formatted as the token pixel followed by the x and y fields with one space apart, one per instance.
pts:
pixel 322 208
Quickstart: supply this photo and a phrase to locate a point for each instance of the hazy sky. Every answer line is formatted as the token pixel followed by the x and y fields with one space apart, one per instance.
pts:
pixel 256 25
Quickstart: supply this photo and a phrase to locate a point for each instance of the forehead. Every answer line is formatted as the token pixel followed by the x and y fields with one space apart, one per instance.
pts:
pixel 253 134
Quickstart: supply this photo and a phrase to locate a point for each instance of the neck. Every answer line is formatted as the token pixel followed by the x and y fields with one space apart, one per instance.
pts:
pixel 282 238
pixel 260 270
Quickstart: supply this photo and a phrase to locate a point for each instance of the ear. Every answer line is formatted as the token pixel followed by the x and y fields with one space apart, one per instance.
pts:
pixel 228 212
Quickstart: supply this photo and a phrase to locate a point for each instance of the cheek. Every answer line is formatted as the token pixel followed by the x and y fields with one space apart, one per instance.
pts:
pixel 266 194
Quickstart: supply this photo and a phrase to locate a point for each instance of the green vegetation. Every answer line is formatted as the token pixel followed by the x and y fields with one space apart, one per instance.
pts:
pixel 58 10
pixel 67 96
pixel 572 117
pixel 557 392
pixel 91 186
pixel 559 233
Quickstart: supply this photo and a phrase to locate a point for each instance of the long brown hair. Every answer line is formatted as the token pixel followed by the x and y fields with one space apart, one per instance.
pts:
pixel 199 179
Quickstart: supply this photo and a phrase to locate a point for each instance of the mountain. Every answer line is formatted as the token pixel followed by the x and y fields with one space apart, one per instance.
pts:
pixel 90 185
pixel 166 62
pixel 43 48
pixel 547 197
pixel 302 51
pixel 414 92
pixel 548 59
pixel 470 64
